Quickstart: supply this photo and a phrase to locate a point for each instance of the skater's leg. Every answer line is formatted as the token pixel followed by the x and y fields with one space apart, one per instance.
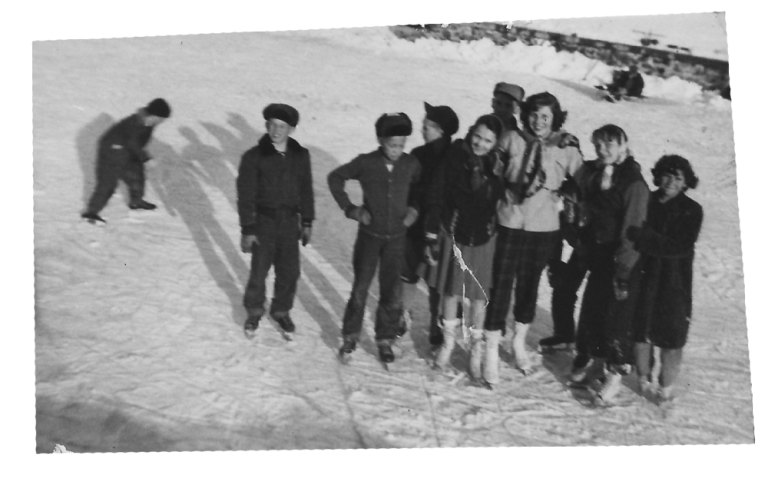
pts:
pixel 106 182
pixel 133 176
pixel 504 267
pixel 644 364
pixel 287 267
pixel 364 262
pixel 390 289
pixel 671 359
pixel 435 334
pixel 262 256
pixel 566 283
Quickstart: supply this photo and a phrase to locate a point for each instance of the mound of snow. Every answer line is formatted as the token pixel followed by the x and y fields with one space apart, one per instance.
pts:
pixel 542 60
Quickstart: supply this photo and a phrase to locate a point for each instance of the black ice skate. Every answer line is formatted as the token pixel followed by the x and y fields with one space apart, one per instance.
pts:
pixel 286 325
pixel 347 348
pixel 141 205
pixel 251 325
pixel 385 351
pixel 93 218
pixel 435 333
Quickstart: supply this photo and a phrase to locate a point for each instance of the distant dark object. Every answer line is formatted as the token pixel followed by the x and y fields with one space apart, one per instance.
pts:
pixel 649 42
pixel 726 92
pixel 626 83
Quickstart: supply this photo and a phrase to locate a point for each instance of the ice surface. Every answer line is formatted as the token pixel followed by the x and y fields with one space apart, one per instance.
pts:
pixel 138 327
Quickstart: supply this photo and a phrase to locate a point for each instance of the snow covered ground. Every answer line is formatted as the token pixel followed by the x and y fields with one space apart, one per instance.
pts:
pixel 138 341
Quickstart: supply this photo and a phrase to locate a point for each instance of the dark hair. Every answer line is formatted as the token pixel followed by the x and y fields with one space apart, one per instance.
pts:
pixel 539 100
pixel 670 164
pixel 611 133
pixel 492 122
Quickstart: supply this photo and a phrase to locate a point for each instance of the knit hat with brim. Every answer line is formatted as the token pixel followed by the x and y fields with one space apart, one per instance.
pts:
pixel 512 90
pixel 393 124
pixel 281 111
pixel 443 116
pixel 159 108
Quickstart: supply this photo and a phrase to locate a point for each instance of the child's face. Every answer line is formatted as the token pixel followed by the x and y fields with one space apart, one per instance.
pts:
pixel 672 183
pixel 279 131
pixel 540 121
pixel 483 140
pixel 610 152
pixel 393 147
pixel 430 131
pixel 504 106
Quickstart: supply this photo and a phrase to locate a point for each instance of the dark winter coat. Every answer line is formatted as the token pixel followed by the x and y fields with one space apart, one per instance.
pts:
pixel 611 212
pixel 268 181
pixel 463 198
pixel 666 244
pixel 124 142
pixel 386 195
pixel 430 157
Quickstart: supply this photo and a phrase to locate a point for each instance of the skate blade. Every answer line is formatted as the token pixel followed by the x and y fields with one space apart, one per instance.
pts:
pixel 288 336
pixel 249 334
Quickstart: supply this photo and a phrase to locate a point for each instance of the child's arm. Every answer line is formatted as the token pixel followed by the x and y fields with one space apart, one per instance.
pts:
pixel 336 180
pixel 635 209
pixel 677 241
pixel 247 184
pixel 307 194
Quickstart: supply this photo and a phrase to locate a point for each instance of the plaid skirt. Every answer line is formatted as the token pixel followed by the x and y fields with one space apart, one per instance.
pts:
pixel 449 277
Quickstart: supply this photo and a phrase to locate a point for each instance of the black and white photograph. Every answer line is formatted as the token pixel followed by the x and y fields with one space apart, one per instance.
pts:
pixel 489 232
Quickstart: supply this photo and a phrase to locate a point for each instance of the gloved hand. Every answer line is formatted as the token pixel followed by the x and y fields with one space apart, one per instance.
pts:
pixel 569 140
pixel 411 216
pixel 359 213
pixel 306 235
pixel 620 289
pixel 247 242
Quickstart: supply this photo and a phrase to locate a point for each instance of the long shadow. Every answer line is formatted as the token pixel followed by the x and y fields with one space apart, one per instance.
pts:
pixel 584 89
pixel 87 143
pixel 177 182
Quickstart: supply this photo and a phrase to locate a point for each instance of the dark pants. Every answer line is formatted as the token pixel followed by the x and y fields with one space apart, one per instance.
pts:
pixel 370 251
pixel 278 236
pixel 566 280
pixel 519 259
pixel 111 166
pixel 606 327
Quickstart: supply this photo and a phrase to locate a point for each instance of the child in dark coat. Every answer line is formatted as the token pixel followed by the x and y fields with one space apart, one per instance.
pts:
pixel 386 176
pixel 276 205
pixel 440 123
pixel 122 156
pixel 666 245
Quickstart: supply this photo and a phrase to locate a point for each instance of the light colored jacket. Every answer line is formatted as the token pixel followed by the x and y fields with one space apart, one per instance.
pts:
pixel 538 209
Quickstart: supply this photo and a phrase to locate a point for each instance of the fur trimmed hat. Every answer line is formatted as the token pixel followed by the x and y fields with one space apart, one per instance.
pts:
pixel 281 111
pixel 443 116
pixel 159 108
pixel 393 124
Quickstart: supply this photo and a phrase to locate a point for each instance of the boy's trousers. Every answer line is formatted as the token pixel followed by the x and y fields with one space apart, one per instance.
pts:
pixel 278 233
pixel 370 251
pixel 111 166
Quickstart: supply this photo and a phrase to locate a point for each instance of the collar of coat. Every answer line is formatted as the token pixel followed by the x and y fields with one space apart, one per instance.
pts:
pixel 267 148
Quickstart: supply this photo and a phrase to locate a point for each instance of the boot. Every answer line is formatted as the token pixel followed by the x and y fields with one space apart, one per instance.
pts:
pixel 348 346
pixel 140 204
pixel 449 341
pixel 611 386
pixel 93 217
pixel 435 333
pixel 518 344
pixel 491 358
pixel 476 352
pixel 251 325
pixel 385 351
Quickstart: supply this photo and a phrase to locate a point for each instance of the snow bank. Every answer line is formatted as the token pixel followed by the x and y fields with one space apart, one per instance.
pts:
pixel 542 60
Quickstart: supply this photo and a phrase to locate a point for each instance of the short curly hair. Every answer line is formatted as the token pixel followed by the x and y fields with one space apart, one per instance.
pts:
pixel 539 100
pixel 671 164
pixel 610 133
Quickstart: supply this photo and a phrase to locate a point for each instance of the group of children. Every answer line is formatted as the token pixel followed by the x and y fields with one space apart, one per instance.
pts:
pixel 479 219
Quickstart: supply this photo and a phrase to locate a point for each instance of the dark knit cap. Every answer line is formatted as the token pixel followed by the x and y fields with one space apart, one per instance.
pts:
pixel 281 111
pixel 159 108
pixel 393 124
pixel 443 116
pixel 512 90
